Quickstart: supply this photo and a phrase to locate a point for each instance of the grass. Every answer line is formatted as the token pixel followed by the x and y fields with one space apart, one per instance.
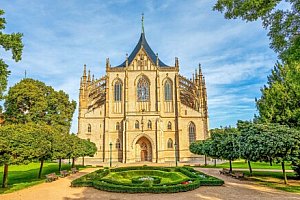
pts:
pixel 166 177
pixel 241 164
pixel 275 180
pixel 23 176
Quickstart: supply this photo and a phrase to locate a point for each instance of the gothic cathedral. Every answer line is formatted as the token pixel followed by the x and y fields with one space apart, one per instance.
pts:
pixel 143 110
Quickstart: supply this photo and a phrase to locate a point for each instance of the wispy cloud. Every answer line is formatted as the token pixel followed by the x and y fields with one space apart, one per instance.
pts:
pixel 61 36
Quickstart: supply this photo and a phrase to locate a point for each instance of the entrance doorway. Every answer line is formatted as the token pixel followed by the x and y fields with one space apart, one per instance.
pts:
pixel 143 150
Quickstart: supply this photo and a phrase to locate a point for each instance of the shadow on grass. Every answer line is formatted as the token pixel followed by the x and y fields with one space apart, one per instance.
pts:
pixel 22 179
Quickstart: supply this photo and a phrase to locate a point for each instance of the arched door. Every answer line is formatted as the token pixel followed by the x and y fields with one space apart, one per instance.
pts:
pixel 144 150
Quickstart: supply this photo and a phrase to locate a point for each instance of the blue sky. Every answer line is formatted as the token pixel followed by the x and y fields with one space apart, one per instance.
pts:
pixel 61 36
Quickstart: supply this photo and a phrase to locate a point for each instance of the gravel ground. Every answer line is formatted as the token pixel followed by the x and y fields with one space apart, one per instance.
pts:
pixel 232 189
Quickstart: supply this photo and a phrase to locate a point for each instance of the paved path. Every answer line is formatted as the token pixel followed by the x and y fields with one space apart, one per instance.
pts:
pixel 233 189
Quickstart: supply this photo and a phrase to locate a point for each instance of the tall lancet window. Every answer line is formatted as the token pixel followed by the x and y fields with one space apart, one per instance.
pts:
pixel 143 89
pixel 168 90
pixel 192 132
pixel 118 91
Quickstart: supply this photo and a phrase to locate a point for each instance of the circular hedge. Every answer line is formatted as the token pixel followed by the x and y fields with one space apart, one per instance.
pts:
pixel 146 179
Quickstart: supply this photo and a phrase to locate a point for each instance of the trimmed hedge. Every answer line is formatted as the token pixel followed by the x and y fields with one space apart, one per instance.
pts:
pixel 196 179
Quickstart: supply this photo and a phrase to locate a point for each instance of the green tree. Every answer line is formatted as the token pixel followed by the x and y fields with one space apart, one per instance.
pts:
pixel 32 101
pixel 223 144
pixel 60 147
pixel 283 25
pixel 89 149
pixel 9 42
pixel 15 147
pixel 279 102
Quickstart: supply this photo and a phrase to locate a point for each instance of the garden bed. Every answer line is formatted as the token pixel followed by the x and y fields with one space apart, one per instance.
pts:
pixel 147 179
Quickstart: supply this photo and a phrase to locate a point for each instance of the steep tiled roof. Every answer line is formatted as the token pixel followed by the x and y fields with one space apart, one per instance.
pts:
pixel 143 44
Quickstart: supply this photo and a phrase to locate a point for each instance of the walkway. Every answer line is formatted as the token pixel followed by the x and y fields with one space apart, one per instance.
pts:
pixel 233 189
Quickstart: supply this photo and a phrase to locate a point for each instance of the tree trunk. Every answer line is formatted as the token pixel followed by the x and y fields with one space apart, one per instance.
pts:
pixel 230 165
pixel 73 162
pixel 41 168
pixel 215 162
pixel 271 162
pixel 59 164
pixel 250 169
pixel 5 176
pixel 82 160
pixel 205 160
pixel 283 171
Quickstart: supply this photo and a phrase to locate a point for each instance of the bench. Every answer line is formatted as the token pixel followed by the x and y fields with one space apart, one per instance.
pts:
pixel 74 170
pixel 51 177
pixel 64 173
pixel 225 171
pixel 238 175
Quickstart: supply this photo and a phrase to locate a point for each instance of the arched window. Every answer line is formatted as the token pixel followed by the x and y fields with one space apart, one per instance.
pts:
pixel 143 89
pixel 170 143
pixel 168 90
pixel 192 132
pixel 169 125
pixel 117 125
pixel 118 144
pixel 118 91
pixel 89 128
pixel 137 124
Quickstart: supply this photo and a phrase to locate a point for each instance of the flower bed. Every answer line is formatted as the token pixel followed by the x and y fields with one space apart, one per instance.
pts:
pixel 147 180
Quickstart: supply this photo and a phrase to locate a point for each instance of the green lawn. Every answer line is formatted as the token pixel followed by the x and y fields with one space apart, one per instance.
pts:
pixel 241 164
pixel 23 176
pixel 275 180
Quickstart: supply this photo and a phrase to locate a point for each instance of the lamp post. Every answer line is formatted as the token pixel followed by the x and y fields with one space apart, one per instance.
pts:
pixel 175 147
pixel 110 159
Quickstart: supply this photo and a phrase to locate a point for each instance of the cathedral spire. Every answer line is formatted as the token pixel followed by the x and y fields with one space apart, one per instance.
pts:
pixel 143 30
pixel 89 77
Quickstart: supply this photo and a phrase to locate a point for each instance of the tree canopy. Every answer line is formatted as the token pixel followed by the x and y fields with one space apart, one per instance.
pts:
pixel 9 42
pixel 279 102
pixel 283 23
pixel 33 101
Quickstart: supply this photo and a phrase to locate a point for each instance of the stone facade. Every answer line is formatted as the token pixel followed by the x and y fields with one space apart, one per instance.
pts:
pixel 143 110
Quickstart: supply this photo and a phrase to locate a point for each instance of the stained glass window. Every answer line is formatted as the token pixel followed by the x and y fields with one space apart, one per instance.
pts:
pixel 143 89
pixel 168 90
pixel 118 91
pixel 192 132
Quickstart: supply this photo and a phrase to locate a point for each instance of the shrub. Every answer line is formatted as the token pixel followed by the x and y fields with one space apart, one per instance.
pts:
pixel 101 181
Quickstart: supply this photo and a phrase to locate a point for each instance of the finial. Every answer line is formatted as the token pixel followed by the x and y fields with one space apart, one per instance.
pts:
pixel 196 74
pixel 93 79
pixel 126 59
pixel 200 71
pixel 107 63
pixel 84 70
pixel 157 59
pixel 176 62
pixel 89 76
pixel 143 31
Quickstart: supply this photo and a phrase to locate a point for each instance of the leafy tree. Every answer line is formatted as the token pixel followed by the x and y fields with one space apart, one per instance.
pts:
pixel 15 147
pixel 89 149
pixel 32 101
pixel 230 146
pixel 224 143
pixel 283 25
pixel 44 137
pixel 10 42
pixel 60 147
pixel 279 102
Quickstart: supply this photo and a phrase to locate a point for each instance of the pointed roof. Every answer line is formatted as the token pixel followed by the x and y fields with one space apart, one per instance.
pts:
pixel 143 44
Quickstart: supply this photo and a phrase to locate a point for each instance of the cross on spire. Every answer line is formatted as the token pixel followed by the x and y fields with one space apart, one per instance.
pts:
pixel 143 31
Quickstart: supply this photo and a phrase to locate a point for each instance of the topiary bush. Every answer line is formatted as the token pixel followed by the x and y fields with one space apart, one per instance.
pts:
pixel 130 180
